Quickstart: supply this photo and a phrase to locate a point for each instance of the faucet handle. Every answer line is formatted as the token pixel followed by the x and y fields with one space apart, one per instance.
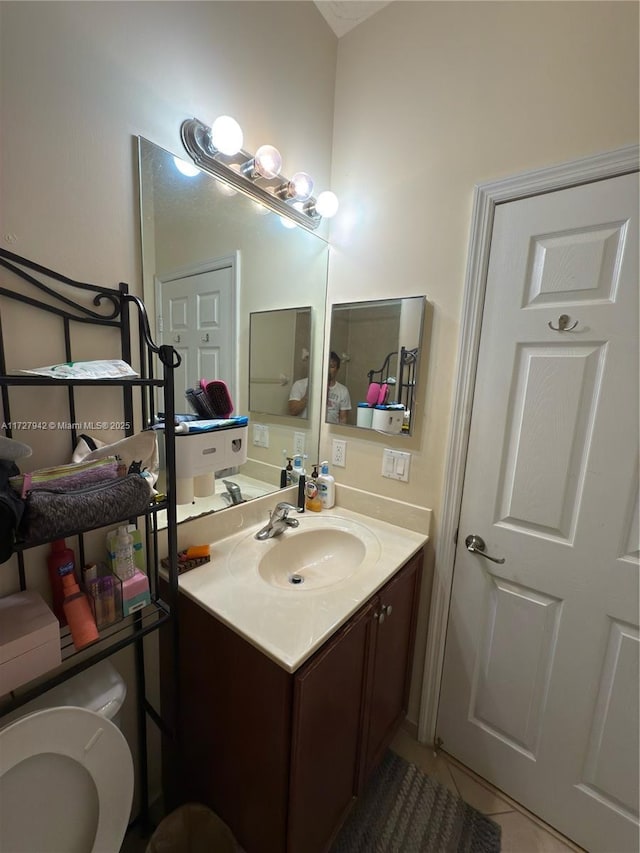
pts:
pixel 282 509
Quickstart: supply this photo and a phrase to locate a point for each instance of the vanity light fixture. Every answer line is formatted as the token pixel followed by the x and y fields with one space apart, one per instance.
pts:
pixel 218 150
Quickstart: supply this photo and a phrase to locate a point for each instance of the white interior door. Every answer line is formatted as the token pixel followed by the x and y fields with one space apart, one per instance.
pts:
pixel 540 682
pixel 197 318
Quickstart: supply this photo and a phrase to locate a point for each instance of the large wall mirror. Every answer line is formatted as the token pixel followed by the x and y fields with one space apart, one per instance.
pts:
pixel 224 277
pixel 373 370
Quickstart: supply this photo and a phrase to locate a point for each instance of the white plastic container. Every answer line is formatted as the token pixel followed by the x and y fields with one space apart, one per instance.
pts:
pixel 364 415
pixel 326 487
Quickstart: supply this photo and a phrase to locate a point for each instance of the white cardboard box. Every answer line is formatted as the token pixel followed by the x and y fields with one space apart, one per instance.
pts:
pixel 29 639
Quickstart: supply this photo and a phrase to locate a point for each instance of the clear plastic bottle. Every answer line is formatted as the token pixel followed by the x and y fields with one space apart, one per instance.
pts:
pixel 124 564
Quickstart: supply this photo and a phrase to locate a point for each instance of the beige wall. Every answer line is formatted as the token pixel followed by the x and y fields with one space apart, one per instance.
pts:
pixel 431 99
pixel 78 83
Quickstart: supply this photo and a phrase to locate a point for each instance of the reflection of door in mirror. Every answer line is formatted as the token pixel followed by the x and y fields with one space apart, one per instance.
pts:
pixel 378 343
pixel 197 317
pixel 279 345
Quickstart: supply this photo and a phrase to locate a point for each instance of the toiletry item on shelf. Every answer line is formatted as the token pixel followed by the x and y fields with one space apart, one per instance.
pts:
pixel 61 561
pixel 287 471
pixel 312 501
pixel 138 550
pixel 78 614
pixel 124 566
pixel 301 493
pixel 89 574
pixel 135 593
pixel 105 597
pixel 326 487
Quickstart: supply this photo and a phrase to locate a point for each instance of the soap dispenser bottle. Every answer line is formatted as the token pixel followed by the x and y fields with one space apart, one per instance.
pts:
pixel 326 487
pixel 312 501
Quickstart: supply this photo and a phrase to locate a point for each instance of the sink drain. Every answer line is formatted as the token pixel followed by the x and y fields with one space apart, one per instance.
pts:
pixel 296 579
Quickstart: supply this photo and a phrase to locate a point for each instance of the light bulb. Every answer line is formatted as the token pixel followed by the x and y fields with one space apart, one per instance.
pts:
pixel 327 204
pixel 226 135
pixel 267 161
pixel 187 169
pixel 302 185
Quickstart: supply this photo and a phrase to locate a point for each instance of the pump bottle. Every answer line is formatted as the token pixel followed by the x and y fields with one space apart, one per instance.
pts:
pixel 326 487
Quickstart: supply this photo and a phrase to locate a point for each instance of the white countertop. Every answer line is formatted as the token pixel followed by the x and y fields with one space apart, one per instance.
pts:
pixel 288 625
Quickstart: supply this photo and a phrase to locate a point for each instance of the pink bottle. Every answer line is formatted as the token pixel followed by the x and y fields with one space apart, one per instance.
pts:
pixel 77 611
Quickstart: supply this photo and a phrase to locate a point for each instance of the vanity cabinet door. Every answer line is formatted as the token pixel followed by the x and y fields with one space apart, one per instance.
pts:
pixel 394 618
pixel 326 737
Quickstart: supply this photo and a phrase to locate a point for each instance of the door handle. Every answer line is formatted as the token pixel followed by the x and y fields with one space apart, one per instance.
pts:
pixel 476 545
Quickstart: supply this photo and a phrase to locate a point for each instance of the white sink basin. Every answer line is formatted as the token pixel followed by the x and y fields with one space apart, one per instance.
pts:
pixel 320 552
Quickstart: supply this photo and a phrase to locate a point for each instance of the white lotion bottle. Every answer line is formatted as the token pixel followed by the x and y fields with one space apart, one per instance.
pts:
pixel 326 487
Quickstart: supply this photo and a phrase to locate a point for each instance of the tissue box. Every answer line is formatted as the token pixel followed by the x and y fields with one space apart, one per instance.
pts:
pixel 202 452
pixel 135 593
pixel 29 639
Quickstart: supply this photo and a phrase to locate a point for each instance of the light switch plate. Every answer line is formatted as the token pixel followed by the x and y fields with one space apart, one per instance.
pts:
pixel 260 435
pixel 395 465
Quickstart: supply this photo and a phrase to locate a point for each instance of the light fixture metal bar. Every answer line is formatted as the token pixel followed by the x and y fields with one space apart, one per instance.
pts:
pixel 195 138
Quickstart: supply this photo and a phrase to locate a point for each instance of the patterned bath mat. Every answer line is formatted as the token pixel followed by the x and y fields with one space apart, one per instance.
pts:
pixel 404 811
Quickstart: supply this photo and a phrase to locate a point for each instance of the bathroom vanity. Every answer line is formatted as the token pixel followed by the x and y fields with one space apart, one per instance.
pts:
pixel 280 748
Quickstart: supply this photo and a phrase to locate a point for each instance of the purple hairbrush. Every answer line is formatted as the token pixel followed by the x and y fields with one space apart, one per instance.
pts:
pixel 218 396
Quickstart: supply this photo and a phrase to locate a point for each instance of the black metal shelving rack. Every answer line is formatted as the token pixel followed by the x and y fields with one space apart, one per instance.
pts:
pixel 109 309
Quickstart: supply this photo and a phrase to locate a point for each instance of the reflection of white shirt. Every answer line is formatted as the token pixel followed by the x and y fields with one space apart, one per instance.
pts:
pixel 338 400
pixel 298 390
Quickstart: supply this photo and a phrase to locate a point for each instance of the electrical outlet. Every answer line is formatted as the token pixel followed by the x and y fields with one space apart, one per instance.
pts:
pixel 339 458
pixel 298 443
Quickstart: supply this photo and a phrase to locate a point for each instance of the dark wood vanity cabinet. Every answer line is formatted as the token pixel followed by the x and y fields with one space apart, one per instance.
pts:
pixel 279 756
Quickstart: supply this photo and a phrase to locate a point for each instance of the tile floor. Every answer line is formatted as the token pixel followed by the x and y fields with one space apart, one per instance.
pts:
pixel 522 832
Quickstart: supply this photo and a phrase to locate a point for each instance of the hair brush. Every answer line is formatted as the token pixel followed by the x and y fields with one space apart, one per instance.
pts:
pixel 218 396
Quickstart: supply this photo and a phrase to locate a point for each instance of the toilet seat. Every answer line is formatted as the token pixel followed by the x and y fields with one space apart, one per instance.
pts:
pixel 66 783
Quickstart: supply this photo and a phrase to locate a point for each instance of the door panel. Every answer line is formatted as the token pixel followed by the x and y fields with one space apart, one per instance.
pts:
pixel 198 319
pixel 540 685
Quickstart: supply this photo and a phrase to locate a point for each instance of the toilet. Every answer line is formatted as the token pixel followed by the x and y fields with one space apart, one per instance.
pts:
pixel 66 771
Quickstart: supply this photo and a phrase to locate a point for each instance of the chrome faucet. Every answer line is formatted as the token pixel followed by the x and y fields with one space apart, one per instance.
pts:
pixel 279 521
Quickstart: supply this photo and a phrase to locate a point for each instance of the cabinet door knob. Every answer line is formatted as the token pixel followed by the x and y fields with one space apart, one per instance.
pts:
pixel 387 610
pixel 379 616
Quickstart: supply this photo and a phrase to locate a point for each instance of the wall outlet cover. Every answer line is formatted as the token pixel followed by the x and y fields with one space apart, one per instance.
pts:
pixel 339 453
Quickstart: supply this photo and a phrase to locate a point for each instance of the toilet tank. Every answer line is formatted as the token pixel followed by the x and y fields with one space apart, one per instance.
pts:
pixel 99 688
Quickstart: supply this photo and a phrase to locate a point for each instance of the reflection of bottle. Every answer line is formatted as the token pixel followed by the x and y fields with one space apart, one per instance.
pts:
pixel 78 613
pixel 124 564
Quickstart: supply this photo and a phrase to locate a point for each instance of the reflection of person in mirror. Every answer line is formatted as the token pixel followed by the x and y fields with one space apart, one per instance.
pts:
pixel 298 398
pixel 338 398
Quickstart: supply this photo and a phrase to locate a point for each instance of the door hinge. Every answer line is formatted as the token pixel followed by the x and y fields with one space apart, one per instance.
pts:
pixel 159 325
